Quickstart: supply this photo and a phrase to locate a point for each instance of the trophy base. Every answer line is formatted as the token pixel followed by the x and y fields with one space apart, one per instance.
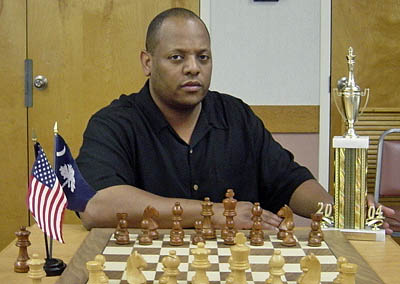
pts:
pixel 54 266
pixel 362 234
pixel 359 142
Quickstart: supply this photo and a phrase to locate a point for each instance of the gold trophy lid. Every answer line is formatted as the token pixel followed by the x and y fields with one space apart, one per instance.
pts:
pixel 347 86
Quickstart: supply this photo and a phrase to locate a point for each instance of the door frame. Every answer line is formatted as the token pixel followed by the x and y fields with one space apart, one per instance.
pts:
pixel 325 93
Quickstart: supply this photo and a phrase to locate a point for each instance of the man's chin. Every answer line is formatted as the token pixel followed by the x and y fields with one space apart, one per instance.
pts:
pixel 188 104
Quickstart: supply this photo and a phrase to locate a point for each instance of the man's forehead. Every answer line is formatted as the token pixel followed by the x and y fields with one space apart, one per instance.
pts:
pixel 191 49
pixel 181 34
pixel 182 27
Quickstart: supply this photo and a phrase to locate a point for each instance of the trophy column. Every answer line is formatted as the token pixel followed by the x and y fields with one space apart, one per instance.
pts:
pixel 350 154
pixel 350 181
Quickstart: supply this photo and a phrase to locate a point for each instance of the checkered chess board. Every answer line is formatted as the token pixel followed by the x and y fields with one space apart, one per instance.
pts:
pixel 117 255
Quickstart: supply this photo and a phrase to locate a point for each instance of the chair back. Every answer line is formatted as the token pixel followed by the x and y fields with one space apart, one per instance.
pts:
pixel 387 181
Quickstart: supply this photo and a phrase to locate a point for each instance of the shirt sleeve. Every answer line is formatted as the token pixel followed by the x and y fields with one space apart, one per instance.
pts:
pixel 279 174
pixel 105 158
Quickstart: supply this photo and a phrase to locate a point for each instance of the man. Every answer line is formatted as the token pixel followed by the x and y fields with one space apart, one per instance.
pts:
pixel 177 141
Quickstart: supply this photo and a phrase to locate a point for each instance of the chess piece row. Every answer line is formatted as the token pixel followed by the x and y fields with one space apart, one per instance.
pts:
pixel 205 230
pixel 149 226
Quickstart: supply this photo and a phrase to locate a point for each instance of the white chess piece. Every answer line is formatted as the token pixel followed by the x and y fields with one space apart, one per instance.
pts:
pixel 95 270
pixel 311 268
pixel 36 271
pixel 276 271
pixel 349 271
pixel 134 267
pixel 171 271
pixel 239 261
pixel 200 264
pixel 101 260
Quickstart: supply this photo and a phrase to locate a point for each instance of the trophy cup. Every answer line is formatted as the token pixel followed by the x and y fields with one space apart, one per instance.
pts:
pixel 350 179
pixel 350 94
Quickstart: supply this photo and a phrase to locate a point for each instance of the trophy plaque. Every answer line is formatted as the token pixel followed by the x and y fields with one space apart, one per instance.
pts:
pixel 350 179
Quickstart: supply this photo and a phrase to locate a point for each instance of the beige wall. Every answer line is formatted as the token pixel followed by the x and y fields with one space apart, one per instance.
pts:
pixel 304 147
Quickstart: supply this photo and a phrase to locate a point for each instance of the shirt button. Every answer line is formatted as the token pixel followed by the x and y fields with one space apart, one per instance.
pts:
pixel 195 187
pixel 191 151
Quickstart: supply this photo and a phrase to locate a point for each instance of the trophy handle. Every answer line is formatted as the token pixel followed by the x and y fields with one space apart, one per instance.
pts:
pixel 336 94
pixel 365 93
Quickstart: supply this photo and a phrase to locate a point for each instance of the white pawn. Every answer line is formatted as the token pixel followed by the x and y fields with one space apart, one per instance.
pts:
pixel 134 267
pixel 200 264
pixel 101 260
pixel 36 271
pixel 276 264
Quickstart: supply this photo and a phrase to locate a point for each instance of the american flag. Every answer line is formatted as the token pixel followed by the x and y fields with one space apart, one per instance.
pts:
pixel 46 199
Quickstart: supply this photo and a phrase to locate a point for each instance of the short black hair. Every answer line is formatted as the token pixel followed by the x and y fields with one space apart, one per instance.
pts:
pixel 155 24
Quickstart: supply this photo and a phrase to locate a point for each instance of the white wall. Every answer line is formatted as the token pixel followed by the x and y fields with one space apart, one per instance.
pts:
pixel 266 53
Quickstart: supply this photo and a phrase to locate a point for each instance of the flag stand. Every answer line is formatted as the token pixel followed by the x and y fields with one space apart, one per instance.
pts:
pixel 52 266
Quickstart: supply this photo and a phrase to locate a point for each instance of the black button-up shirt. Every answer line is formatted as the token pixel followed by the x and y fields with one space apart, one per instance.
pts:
pixel 130 142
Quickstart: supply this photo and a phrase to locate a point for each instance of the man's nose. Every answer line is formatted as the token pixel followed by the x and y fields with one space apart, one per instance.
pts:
pixel 191 66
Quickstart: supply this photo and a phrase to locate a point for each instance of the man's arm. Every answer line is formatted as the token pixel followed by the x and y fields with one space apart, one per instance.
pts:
pixel 392 217
pixel 305 198
pixel 102 208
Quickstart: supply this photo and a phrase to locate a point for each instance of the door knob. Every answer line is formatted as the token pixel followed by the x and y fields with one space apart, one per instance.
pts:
pixel 40 82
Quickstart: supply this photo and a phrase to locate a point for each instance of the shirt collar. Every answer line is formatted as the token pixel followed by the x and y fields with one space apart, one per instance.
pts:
pixel 210 108
pixel 150 109
pixel 208 115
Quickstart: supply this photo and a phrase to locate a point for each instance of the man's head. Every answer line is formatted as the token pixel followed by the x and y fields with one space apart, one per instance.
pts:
pixel 177 59
pixel 154 26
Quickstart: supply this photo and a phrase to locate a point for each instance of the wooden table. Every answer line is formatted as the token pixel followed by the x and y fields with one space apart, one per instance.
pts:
pixel 383 257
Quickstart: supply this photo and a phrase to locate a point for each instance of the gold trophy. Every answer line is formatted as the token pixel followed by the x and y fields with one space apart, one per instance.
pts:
pixel 350 94
pixel 350 178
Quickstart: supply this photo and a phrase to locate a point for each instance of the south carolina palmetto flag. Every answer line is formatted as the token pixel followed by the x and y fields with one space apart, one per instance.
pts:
pixel 46 199
pixel 76 189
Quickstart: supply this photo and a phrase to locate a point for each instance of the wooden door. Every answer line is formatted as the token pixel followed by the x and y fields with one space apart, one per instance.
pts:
pixel 13 161
pixel 89 52
pixel 372 29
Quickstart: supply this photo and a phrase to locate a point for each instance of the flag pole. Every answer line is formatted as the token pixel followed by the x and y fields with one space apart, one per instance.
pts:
pixel 55 129
pixel 54 266
pixel 34 140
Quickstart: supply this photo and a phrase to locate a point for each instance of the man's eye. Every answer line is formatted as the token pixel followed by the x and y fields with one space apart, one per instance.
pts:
pixel 176 57
pixel 204 57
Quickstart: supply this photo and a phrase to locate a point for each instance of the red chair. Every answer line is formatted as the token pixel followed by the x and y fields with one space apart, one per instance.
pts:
pixel 387 183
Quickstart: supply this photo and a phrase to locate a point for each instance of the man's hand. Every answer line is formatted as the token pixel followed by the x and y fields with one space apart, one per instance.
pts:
pixel 270 221
pixel 392 217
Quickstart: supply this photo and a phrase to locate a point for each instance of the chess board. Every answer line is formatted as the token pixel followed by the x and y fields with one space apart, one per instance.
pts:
pixel 102 241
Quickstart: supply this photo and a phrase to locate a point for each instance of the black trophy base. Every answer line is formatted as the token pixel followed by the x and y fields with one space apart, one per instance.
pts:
pixel 54 266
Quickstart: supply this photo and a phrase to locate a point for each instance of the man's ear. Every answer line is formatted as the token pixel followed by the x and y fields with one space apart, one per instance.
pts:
pixel 146 60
